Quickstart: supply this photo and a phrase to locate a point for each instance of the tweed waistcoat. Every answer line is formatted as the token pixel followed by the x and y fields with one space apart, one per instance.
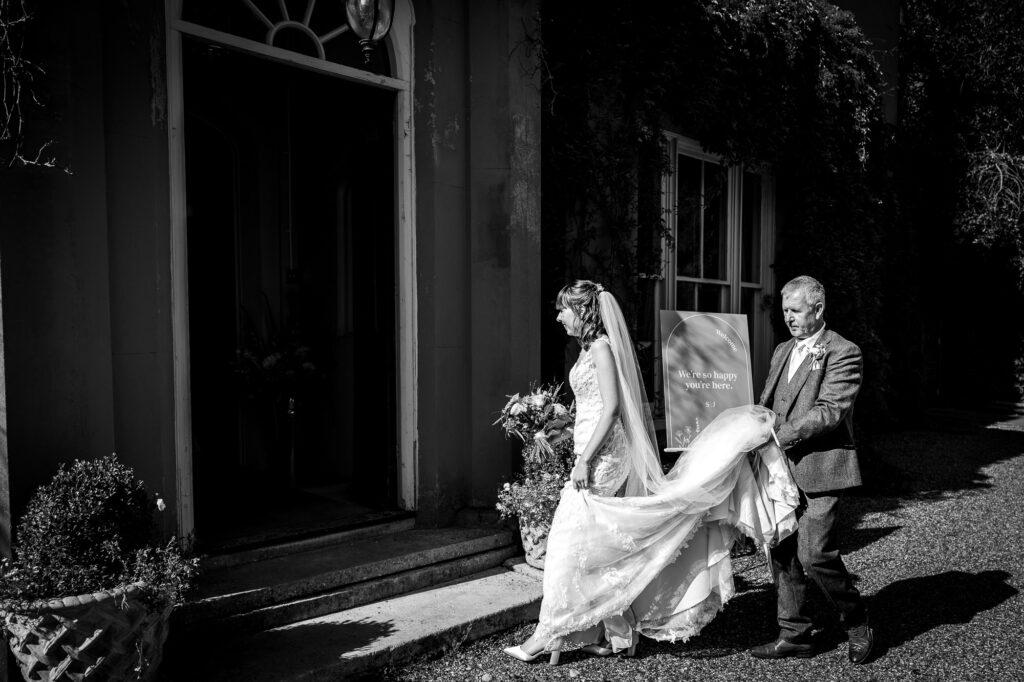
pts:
pixel 785 392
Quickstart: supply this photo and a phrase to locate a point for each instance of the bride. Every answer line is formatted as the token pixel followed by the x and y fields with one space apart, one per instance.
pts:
pixel 633 550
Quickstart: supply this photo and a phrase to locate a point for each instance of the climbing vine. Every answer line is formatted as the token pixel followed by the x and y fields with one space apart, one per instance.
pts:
pixel 787 83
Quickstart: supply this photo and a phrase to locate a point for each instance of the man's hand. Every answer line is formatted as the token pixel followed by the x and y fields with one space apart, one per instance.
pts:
pixel 580 474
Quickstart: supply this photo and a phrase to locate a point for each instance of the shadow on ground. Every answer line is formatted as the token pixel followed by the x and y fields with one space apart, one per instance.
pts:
pixel 181 663
pixel 924 463
pixel 906 609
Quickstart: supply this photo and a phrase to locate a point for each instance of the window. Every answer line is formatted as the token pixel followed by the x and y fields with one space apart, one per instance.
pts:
pixel 721 220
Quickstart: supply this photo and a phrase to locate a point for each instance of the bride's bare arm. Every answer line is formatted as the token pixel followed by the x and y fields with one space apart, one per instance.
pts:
pixel 608 384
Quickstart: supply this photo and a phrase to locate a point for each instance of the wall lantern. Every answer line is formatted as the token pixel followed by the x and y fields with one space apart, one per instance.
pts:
pixel 371 21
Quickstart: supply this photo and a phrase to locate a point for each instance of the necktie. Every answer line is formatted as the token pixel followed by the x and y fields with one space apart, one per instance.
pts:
pixel 795 360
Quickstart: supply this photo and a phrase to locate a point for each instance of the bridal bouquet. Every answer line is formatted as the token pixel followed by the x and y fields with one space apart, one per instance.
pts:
pixel 544 424
pixel 539 419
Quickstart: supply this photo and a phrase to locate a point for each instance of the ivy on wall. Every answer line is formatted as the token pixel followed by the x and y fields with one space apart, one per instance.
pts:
pixel 788 83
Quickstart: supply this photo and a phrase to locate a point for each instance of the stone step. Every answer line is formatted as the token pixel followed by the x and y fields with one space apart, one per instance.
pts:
pixel 351 596
pixel 355 641
pixel 283 587
pixel 226 560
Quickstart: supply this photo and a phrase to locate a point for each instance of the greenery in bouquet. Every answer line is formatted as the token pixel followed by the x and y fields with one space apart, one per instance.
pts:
pixel 92 528
pixel 544 425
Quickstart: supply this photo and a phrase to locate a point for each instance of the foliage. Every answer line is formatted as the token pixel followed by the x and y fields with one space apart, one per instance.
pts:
pixel 91 528
pixel 790 84
pixel 16 97
pixel 961 178
pixel 534 495
pixel 964 75
pixel 544 424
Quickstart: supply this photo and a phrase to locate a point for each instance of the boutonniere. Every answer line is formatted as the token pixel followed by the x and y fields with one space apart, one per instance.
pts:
pixel 816 352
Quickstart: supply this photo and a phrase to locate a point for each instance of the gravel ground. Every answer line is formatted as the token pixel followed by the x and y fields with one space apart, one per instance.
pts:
pixel 936 540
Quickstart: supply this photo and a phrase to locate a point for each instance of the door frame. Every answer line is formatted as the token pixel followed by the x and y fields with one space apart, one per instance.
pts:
pixel 399 45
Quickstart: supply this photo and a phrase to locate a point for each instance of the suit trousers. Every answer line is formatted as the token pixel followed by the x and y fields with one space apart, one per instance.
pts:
pixel 812 553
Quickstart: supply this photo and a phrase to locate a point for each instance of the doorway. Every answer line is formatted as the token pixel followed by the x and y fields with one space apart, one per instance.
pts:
pixel 290 191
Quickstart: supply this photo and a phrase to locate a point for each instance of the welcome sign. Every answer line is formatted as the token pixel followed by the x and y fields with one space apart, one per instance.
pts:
pixel 706 361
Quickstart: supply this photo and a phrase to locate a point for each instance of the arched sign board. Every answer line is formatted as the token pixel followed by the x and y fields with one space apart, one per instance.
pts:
pixel 706 361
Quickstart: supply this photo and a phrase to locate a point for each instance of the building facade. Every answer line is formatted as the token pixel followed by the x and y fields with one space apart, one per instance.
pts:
pixel 289 283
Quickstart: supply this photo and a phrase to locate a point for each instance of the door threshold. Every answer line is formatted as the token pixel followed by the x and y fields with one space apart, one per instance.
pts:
pixel 315 531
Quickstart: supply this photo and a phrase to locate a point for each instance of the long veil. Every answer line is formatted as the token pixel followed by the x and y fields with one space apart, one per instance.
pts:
pixel 645 475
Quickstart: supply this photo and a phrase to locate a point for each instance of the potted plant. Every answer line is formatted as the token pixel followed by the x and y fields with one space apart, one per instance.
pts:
pixel 544 425
pixel 89 592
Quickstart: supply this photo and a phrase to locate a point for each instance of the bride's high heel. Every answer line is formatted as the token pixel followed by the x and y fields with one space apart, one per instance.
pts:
pixel 518 652
pixel 597 649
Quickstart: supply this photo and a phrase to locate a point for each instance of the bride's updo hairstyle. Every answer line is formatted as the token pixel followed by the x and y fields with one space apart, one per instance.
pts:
pixel 581 298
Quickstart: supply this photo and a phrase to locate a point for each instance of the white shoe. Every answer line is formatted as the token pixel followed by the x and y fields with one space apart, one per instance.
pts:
pixel 517 652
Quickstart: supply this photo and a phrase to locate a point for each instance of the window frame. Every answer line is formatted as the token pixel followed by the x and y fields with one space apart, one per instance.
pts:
pixel 759 318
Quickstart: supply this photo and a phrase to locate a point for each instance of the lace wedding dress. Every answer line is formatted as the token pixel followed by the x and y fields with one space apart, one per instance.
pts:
pixel 658 563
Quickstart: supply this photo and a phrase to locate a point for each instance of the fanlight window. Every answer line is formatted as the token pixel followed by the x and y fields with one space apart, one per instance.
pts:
pixel 313 28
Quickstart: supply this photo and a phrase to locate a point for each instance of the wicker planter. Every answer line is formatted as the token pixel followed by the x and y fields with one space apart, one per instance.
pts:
pixel 535 542
pixel 108 636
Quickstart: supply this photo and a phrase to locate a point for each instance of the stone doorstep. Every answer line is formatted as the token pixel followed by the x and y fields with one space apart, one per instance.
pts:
pixel 390 632
pixel 257 585
pixel 224 561
pixel 351 596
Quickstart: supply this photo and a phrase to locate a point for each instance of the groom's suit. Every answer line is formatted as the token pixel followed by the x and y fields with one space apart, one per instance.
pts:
pixel 814 425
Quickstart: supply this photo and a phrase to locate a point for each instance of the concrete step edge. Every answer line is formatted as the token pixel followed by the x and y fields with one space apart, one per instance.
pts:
pixel 434 644
pixel 222 561
pixel 350 596
pixel 251 600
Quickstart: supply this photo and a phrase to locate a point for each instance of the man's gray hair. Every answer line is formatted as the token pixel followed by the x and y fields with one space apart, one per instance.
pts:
pixel 814 291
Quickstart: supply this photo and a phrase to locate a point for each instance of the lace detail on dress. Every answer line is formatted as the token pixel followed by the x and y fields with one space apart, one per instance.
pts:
pixel 609 467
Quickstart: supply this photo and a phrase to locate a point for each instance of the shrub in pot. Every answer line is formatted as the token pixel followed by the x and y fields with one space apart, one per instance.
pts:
pixel 90 589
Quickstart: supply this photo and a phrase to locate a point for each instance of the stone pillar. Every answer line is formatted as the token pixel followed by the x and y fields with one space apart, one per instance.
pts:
pixel 478 242
pixel 504 224
pixel 442 267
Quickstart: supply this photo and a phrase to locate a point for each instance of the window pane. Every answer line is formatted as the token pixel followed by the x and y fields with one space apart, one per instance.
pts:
pixel 751 229
pixel 715 216
pixel 688 217
pixel 712 298
pixel 686 294
pixel 750 301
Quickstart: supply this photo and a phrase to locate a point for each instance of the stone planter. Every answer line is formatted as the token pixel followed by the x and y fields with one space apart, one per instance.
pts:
pixel 104 636
pixel 535 542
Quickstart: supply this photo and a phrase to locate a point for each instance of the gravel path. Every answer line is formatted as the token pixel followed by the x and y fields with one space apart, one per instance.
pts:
pixel 936 540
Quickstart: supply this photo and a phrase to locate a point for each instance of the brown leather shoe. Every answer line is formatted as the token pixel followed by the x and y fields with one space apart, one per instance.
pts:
pixel 862 640
pixel 783 648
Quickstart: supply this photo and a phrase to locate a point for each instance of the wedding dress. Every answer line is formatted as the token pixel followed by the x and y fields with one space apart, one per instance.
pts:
pixel 656 561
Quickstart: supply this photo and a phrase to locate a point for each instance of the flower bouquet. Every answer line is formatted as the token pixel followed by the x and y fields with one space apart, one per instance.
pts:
pixel 544 424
